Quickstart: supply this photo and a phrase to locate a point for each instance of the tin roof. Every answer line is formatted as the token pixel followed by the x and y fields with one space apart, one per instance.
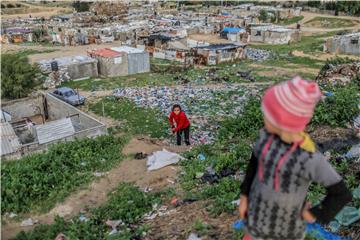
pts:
pixel 54 130
pixel 127 49
pixel 9 141
pixel 106 52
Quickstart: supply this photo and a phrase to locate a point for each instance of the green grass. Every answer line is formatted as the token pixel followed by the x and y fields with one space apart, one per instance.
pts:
pixel 288 21
pixel 134 119
pixel 325 22
pixel 27 52
pixel 39 181
pixel 307 44
pixel 127 203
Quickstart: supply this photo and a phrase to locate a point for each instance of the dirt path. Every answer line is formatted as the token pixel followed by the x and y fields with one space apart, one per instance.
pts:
pixel 38 11
pixel 129 170
pixel 312 30
pixel 180 223
pixel 322 56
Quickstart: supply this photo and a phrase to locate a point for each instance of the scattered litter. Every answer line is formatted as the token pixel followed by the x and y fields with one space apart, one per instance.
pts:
pixel 348 215
pixel 194 236
pixel 314 230
pixel 210 175
pixel 356 192
pixel 140 155
pixel 170 181
pixel 60 236
pixel 205 106
pixel 327 155
pixel 238 225
pixel 199 175
pixel 113 231
pixel 257 54
pixel 174 201
pixel 328 94
pixel 99 174
pixel 236 202
pixel 334 226
pixel 114 223
pixel 354 152
pixel 338 74
pixel 82 218
pixel 12 215
pixel 246 75
pixel 28 222
pixel 201 157
pixel 160 159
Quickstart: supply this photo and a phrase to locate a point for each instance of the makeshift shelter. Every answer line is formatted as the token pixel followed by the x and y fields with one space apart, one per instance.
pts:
pixel 110 62
pixel 68 68
pixel 344 44
pixel 121 61
pixel 273 34
pixel 233 34
pixel 218 53
pixel 180 52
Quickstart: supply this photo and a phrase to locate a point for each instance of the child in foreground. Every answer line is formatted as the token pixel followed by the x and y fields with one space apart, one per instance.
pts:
pixel 284 162
pixel 178 117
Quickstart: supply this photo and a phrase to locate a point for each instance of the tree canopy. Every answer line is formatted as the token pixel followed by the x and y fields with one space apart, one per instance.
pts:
pixel 18 77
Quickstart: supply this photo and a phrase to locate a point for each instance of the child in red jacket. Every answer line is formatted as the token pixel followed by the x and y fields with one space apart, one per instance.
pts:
pixel 182 124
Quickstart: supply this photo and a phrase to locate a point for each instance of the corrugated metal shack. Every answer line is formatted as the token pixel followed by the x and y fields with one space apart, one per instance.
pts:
pixel 138 60
pixel 121 61
pixel 344 44
pixel 68 68
pixel 218 53
pixel 273 34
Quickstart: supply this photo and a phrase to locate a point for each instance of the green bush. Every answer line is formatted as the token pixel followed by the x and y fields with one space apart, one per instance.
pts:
pixel 40 180
pixel 338 110
pixel 19 78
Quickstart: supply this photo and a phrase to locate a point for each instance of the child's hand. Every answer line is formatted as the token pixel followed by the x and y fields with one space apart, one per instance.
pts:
pixel 306 214
pixel 243 206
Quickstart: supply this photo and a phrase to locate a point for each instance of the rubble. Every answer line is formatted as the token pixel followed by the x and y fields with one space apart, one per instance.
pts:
pixel 257 54
pixel 28 222
pixel 339 74
pixel 205 106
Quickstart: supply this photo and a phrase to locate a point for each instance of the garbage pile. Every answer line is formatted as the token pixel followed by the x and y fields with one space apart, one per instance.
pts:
pixel 54 78
pixel 342 73
pixel 109 8
pixel 257 54
pixel 205 106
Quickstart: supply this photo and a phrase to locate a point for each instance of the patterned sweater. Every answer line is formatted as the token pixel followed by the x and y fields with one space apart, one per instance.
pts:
pixel 276 183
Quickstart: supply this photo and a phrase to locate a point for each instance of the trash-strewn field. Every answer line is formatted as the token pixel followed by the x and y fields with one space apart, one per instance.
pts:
pixel 108 188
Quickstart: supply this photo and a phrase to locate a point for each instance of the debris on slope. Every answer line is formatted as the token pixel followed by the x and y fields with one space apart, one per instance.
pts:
pixel 342 73
pixel 257 54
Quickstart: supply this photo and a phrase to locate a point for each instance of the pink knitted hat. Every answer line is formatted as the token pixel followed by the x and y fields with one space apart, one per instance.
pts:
pixel 290 105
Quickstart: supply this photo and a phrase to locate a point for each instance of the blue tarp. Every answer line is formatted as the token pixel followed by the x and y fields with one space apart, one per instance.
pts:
pixel 232 30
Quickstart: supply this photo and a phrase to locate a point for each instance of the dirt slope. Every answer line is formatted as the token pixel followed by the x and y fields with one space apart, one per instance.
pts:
pixel 129 170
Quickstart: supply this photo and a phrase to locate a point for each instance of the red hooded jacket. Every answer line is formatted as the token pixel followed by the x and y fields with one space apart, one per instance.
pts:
pixel 181 121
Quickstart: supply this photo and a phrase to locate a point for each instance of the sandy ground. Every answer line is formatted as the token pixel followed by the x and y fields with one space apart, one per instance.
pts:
pixel 129 170
pixel 39 11
pixel 323 56
pixel 61 51
pixel 180 223
pixel 313 30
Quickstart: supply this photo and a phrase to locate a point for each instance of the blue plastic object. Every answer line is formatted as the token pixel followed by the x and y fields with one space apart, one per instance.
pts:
pixel 201 157
pixel 315 230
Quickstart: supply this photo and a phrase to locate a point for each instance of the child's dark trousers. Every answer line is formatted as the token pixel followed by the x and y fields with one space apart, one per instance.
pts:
pixel 186 132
